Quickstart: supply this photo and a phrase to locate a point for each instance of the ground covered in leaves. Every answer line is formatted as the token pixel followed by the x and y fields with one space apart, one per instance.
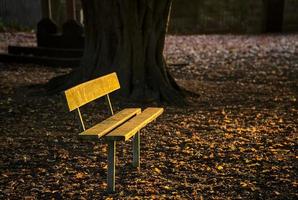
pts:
pixel 237 139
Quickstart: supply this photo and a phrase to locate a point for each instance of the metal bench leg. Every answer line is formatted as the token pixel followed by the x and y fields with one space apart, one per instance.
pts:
pixel 136 150
pixel 111 165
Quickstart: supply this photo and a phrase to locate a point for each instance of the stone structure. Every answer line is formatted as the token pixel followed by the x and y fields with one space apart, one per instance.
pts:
pixel 47 31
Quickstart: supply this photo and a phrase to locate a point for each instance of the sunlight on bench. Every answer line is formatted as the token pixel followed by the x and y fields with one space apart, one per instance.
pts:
pixel 119 127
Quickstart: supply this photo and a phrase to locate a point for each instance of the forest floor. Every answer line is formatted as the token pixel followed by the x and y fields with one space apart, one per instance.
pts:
pixel 237 139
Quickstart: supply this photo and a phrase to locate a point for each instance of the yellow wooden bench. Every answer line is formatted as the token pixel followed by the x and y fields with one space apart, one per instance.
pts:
pixel 119 127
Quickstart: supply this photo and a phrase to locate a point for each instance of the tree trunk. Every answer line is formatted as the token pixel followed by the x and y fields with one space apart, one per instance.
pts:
pixel 126 37
pixel 274 15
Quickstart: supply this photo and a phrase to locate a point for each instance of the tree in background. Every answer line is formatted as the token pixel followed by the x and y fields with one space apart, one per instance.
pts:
pixel 126 36
pixel 274 15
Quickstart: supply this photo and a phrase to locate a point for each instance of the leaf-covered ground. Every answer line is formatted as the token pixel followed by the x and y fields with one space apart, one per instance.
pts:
pixel 237 139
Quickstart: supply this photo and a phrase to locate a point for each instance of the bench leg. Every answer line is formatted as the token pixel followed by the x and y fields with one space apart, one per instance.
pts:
pixel 111 165
pixel 136 150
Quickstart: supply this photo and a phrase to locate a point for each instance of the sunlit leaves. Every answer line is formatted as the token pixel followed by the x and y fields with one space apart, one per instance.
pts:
pixel 236 140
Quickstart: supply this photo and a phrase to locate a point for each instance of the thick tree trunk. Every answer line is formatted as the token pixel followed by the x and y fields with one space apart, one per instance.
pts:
pixel 127 37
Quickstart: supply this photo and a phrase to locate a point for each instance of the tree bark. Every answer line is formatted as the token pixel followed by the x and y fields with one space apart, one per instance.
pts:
pixel 127 37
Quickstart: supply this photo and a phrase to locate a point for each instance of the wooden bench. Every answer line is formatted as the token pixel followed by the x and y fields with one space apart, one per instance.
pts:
pixel 121 126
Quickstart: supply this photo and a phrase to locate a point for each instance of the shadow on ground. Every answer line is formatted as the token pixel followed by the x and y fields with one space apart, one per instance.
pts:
pixel 237 140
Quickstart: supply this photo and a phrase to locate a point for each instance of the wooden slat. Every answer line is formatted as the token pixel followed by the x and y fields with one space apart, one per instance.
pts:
pixel 109 124
pixel 91 90
pixel 128 129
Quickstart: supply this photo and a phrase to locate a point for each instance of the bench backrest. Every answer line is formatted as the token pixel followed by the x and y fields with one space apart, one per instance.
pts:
pixel 86 92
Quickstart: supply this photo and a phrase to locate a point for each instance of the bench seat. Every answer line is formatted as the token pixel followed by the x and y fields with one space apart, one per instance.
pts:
pixel 119 127
pixel 130 127
pixel 111 123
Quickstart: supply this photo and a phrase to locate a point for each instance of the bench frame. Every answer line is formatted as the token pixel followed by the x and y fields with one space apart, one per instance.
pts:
pixel 102 86
pixel 111 173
